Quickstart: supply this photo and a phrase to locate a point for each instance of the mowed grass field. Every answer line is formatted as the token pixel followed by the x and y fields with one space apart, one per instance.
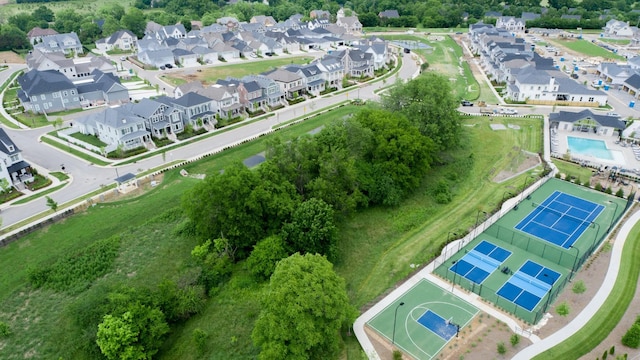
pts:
pixel 209 75
pixel 586 48
pixel 10 7
pixel 377 247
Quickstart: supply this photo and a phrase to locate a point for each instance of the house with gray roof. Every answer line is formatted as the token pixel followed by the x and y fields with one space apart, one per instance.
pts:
pixel 205 54
pixel 196 110
pixel 527 16
pixel 266 21
pixel 104 89
pixel 36 34
pixel 13 167
pixel 117 127
pixel 379 49
pixel 76 69
pixel 157 58
pixel 492 14
pixel 271 91
pixel 632 85
pixel 613 73
pixel 389 14
pixel 332 71
pixel 171 31
pixel 123 40
pixel 320 14
pixel 161 118
pixel 510 23
pixel 224 100
pixel 351 24
pixel 185 58
pixel 67 43
pixel 311 76
pixel 47 91
pixel 587 121
pixel 291 84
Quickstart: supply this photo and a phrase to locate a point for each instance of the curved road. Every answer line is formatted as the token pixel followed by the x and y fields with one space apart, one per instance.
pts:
pixel 87 178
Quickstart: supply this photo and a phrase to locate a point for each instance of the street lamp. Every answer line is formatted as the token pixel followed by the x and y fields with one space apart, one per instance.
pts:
pixel 524 186
pixel 475 228
pixel 613 217
pixel 395 317
pixel 575 261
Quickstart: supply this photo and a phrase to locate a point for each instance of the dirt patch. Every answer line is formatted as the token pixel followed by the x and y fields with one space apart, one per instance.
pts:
pixel 9 56
pixel 520 161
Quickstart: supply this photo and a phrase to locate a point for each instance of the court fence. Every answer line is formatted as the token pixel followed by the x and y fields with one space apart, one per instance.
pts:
pixel 490 294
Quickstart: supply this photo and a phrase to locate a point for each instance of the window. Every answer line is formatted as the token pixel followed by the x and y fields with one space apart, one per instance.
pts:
pixel 56 95
pixel 64 93
pixel 46 106
pixel 36 107
pixel 15 158
pixel 42 97
pixel 34 98
pixel 73 92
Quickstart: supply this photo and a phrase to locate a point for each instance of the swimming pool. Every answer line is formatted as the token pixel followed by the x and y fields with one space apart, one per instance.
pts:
pixel 596 148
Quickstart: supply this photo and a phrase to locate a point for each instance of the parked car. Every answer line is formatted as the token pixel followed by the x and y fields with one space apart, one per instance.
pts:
pixel 123 58
pixel 508 111
pixel 466 103
pixel 162 67
pixel 574 76
pixel 407 50
pixel 268 53
pixel 168 66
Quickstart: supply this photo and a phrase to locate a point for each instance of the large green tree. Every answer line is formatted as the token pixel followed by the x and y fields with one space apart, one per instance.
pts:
pixel 429 103
pixel 312 229
pixel 303 310
pixel 136 334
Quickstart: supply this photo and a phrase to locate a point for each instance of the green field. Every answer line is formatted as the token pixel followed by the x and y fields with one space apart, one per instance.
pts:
pixel 587 48
pixel 412 337
pixel 376 246
pixel 570 169
pixel 445 58
pixel 209 75
pixel 81 6
pixel 616 41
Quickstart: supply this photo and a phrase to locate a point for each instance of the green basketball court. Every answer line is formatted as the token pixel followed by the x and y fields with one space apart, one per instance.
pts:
pixel 426 322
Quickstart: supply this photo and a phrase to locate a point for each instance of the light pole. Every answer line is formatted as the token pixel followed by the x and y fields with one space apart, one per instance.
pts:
pixel 395 317
pixel 613 217
pixel 524 186
pixel 575 261
pixel 475 228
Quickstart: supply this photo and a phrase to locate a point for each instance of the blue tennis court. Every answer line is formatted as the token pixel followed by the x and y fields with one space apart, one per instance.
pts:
pixel 560 219
pixel 529 285
pixel 480 262
pixel 438 325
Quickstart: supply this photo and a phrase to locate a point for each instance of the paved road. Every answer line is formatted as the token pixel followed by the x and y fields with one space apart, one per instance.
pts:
pixel 87 178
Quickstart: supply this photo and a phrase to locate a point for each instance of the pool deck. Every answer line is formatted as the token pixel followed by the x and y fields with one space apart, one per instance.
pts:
pixel 559 146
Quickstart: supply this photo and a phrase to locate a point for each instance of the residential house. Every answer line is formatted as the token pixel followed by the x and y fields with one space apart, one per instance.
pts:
pixel 613 73
pixel 388 14
pixel 632 85
pixel 350 23
pixel 73 68
pixel 492 14
pixel 185 58
pixel 332 71
pixel 226 52
pixel 379 49
pixel 229 22
pixel 67 43
pixel 291 84
pixel 13 168
pixel 271 92
pixel 225 100
pixel 528 16
pixel 117 127
pixel 205 55
pixel 123 40
pixel 510 23
pixel 47 91
pixel 161 119
pixel 157 58
pixel 618 28
pixel 320 14
pixel 266 21
pixel 191 86
pixel 587 121
pixel 195 109
pixel 36 34
pixel 171 31
pixel 634 62
pixel 312 77
pixel 104 89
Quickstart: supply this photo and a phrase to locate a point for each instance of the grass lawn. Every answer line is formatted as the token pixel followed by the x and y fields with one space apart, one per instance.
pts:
pixel 445 59
pixel 571 169
pixel 377 246
pixel 89 139
pixel 39 195
pixel 606 319
pixel 209 75
pixel 616 41
pixel 586 48
pixel 80 6
pixel 59 175
pixel 70 150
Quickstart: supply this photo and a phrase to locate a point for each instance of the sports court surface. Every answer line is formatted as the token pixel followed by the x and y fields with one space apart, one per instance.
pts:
pixel 428 320
pixel 480 262
pixel 529 285
pixel 560 219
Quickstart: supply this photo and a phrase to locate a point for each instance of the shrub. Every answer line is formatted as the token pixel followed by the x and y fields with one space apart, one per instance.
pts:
pixel 502 349
pixel 579 287
pixel 558 175
pixel 632 337
pixel 515 340
pixel 397 355
pixel 598 187
pixel 608 190
pixel 620 193
pixel 604 355
pixel 4 329
pixel 200 339
pixel 563 309
pixel 612 350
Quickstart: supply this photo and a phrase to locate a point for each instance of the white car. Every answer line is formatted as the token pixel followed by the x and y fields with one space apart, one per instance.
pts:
pixel 508 111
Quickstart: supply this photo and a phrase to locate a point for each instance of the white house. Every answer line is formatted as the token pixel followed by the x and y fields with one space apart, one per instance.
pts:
pixel 510 23
pixel 13 168
pixel 618 28
pixel 587 121
pixel 123 40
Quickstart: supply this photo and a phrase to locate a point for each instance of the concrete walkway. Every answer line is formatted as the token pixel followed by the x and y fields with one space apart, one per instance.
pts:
pixel 594 305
